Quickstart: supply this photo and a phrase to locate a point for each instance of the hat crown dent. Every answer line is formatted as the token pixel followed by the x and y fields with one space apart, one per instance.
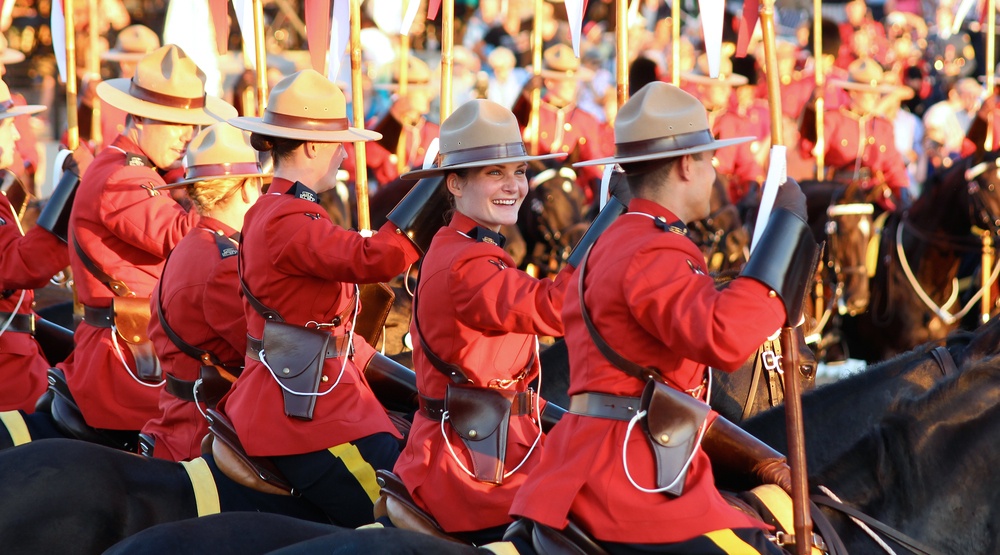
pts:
pixel 865 72
pixel 137 39
pixel 479 123
pixel 169 71
pixel 657 111
pixel 308 94
pixel 560 58
pixel 220 143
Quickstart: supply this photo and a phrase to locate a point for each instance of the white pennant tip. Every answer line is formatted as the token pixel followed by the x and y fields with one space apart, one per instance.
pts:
pixel 431 155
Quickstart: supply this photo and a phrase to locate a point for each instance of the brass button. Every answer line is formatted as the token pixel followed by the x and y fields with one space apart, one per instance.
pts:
pixel 325 378
pixel 664 438
pixel 881 148
pixel 473 433
pixel 286 370
pixel 871 140
pixel 772 294
pixel 843 142
pixel 135 338
pixel 567 127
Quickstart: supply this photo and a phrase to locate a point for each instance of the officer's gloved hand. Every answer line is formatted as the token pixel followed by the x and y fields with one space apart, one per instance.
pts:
pixel 791 198
pixel 775 471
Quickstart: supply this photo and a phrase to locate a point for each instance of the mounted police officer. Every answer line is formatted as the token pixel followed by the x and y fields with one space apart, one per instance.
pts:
pixel 645 319
pixel 121 230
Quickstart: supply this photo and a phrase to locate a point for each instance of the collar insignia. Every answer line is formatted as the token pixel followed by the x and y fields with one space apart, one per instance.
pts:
pixel 137 160
pixel 483 235
pixel 305 193
pixel 677 227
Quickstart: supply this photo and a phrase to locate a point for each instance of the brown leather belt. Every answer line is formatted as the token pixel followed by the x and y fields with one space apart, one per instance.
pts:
pixel 99 317
pixel 21 323
pixel 338 347
pixel 182 389
pixel 604 405
pixel 522 404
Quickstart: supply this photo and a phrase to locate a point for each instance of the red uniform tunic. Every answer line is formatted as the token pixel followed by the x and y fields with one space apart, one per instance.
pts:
pixel 27 261
pixel 299 263
pixel 418 138
pixel 201 303
pixel 863 142
pixel 651 301
pixel 738 163
pixel 573 130
pixel 479 312
pixel 127 228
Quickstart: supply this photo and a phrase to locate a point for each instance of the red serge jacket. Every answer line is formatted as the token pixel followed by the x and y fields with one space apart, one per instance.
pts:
pixel 649 297
pixel 127 228
pixel 480 313
pixel 297 262
pixel 202 305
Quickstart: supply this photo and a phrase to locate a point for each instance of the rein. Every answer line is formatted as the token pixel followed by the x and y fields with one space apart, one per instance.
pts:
pixel 868 523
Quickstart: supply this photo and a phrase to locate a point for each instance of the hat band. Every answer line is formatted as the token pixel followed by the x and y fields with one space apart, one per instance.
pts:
pixel 143 93
pixel 663 144
pixel 220 170
pixel 476 154
pixel 308 124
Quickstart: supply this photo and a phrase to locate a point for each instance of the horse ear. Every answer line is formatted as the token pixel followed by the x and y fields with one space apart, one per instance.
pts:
pixel 985 343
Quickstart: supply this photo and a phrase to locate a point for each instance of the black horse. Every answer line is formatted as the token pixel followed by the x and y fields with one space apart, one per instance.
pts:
pixel 923 253
pixel 923 469
pixel 552 219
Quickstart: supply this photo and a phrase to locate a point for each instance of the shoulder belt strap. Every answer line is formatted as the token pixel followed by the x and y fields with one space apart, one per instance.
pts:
pixel 622 363
pixel 116 286
pixel 261 308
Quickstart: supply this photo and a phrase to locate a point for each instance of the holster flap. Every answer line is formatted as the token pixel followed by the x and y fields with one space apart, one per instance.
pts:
pixel 480 416
pixel 673 420
pixel 296 356
pixel 132 318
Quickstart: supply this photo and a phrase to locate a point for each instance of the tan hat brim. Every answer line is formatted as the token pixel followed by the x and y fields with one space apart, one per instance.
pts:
pixel 11 56
pixel 119 56
pixel 115 92
pixel 15 111
pixel 863 87
pixel 429 172
pixel 666 153
pixel 178 184
pixel 732 80
pixel 349 135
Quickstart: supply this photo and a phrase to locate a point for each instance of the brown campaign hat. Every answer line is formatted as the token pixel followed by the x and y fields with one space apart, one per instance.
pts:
pixel 220 151
pixel 661 121
pixel 308 107
pixel 866 75
pixel 726 76
pixel 169 87
pixel 559 62
pixel 418 74
pixel 132 44
pixel 9 55
pixel 9 110
pixel 479 133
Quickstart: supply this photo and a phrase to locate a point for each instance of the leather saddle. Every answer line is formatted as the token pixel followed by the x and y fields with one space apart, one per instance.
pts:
pixel 69 420
pixel 396 503
pixel 570 541
pixel 257 473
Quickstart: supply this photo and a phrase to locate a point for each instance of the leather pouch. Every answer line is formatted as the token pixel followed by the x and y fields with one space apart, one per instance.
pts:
pixel 296 356
pixel 131 323
pixel 672 424
pixel 480 416
pixel 376 302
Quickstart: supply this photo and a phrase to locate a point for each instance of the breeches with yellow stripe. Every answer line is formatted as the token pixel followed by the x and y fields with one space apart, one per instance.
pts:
pixel 738 541
pixel 341 479
pixel 18 428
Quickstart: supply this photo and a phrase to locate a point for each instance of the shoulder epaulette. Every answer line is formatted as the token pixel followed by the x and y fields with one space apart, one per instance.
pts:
pixel 482 235
pixel 677 227
pixel 226 245
pixel 305 193
pixel 136 160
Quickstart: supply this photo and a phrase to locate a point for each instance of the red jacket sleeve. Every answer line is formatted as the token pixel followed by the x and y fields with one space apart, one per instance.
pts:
pixel 28 261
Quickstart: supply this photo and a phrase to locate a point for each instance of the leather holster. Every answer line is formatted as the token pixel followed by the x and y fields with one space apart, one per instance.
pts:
pixel 131 324
pixel 480 416
pixel 785 260
pixel 295 356
pixel 673 420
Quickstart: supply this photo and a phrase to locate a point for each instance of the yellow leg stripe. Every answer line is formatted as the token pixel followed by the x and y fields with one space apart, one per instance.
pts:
pixel 729 542
pixel 358 467
pixel 501 548
pixel 206 495
pixel 16 427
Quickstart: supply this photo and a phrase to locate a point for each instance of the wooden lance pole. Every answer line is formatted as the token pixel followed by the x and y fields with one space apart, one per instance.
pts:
pixel 447 60
pixel 72 123
pixel 789 345
pixel 675 43
pixel 534 120
pixel 820 151
pixel 402 159
pixel 358 107
pixel 622 58
pixel 94 68
pixel 260 54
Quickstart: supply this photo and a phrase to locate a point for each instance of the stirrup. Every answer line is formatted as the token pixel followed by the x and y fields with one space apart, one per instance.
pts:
pixel 396 503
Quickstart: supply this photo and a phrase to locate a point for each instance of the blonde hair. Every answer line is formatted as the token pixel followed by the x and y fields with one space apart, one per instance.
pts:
pixel 210 193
